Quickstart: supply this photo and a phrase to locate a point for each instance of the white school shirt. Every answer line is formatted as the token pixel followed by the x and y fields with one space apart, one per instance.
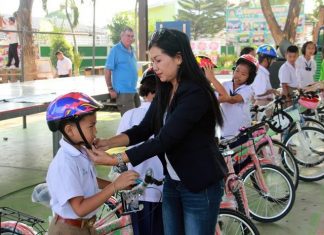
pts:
pixel 262 84
pixel 305 77
pixel 129 119
pixel 236 115
pixel 64 66
pixel 287 74
pixel 11 36
pixel 70 174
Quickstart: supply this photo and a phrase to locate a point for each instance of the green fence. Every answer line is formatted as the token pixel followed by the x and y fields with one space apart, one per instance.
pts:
pixel 228 50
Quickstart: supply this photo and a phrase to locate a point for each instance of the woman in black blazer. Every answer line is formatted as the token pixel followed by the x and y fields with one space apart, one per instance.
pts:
pixel 182 118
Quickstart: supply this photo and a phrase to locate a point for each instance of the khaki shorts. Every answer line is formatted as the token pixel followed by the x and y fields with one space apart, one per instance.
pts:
pixel 127 101
pixel 59 228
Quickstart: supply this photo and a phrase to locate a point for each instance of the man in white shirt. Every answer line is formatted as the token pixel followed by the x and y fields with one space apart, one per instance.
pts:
pixel 13 41
pixel 64 65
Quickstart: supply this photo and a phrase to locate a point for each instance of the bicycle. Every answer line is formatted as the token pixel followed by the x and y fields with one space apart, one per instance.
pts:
pixel 302 139
pixel 114 220
pixel 274 150
pixel 269 189
pixel 230 219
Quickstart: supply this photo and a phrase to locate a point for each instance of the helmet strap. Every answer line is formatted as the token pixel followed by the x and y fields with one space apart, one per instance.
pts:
pixel 269 61
pixel 67 137
pixel 88 146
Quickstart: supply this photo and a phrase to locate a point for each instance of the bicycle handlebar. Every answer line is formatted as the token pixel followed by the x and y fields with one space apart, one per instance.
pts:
pixel 130 198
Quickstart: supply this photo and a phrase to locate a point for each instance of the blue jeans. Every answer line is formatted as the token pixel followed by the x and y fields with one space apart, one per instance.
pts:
pixel 149 220
pixel 185 212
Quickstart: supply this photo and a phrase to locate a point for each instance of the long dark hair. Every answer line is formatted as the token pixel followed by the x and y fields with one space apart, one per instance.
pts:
pixel 173 42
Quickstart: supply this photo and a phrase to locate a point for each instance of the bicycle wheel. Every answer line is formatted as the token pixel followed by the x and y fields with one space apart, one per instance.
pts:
pixel 7 231
pixel 282 157
pixel 110 221
pixel 14 227
pixel 277 202
pixel 231 222
pixel 308 122
pixel 307 146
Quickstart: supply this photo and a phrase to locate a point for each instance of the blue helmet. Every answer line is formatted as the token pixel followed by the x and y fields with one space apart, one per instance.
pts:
pixel 69 107
pixel 267 51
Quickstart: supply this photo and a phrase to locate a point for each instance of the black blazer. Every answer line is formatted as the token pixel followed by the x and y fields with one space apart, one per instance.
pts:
pixel 187 138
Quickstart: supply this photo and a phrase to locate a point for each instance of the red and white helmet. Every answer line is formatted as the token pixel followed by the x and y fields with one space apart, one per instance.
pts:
pixel 250 59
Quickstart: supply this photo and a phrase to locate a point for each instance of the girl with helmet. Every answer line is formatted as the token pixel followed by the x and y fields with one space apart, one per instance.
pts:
pixel 235 95
pixel 263 91
pixel 71 176
pixel 149 220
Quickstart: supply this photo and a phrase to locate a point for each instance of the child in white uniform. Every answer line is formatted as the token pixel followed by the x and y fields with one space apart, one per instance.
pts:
pixel 287 72
pixel 235 95
pixel 149 220
pixel 306 65
pixel 71 177
pixel 262 89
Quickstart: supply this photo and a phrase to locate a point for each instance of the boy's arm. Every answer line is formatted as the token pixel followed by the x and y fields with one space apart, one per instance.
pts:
pixel 83 206
pixel 285 89
pixel 102 183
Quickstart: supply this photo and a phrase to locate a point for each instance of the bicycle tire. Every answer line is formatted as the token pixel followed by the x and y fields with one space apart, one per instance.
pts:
pixel 286 159
pixel 280 199
pixel 7 231
pixel 15 227
pixel 232 222
pixel 239 202
pixel 310 159
pixel 308 122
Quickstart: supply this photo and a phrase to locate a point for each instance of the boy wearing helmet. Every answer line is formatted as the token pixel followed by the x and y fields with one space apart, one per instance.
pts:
pixel 149 220
pixel 71 177
pixel 263 91
pixel 235 101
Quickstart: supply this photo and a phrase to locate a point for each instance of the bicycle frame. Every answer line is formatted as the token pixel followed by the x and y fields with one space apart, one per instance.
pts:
pixel 248 150
pixel 233 184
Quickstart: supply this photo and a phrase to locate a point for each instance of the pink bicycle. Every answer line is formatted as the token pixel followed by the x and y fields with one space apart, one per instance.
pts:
pixel 269 189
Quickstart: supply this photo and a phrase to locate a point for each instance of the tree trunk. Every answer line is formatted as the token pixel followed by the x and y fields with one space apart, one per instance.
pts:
pixel 75 46
pixel 26 39
pixel 319 23
pixel 292 20
pixel 274 27
pixel 289 32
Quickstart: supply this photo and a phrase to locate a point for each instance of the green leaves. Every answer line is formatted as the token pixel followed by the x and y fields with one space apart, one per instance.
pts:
pixel 207 16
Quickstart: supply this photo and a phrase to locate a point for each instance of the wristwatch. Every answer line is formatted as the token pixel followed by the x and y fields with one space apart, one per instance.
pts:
pixel 110 88
pixel 121 164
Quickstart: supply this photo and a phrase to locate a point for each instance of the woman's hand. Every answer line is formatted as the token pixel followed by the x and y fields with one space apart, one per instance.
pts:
pixel 100 157
pixel 102 144
pixel 126 179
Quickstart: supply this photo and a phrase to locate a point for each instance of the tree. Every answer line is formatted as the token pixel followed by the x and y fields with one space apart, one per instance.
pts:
pixel 26 38
pixel 318 3
pixel 59 43
pixel 118 23
pixel 72 14
pixel 289 31
pixel 207 16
